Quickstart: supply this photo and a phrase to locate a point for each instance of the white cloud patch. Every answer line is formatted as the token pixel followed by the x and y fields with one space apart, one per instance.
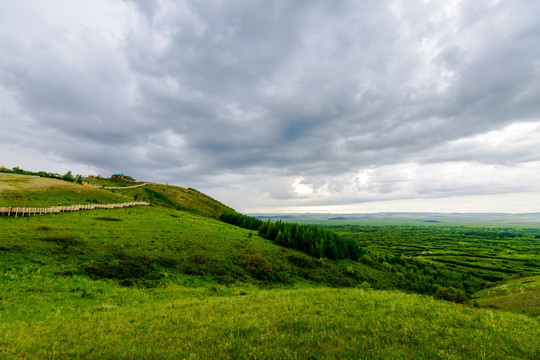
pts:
pixel 300 188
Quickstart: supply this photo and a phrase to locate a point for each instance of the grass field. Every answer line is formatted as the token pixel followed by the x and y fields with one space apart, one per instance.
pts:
pixel 149 245
pixel 219 322
pixel 31 191
pixel 519 295
pixel 170 281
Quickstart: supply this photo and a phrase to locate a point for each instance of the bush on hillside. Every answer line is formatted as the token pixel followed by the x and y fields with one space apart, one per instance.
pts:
pixel 258 266
pixel 451 294
pixel 302 261
pixel 129 270
pixel 199 259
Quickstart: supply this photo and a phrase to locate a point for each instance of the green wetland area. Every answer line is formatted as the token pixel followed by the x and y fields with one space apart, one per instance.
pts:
pixel 188 277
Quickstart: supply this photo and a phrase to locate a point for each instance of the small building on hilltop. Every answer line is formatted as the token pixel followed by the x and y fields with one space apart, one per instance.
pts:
pixel 85 182
pixel 122 177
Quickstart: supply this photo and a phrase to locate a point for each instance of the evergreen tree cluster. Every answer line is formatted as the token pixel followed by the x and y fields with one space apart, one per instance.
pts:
pixel 312 240
pixel 241 220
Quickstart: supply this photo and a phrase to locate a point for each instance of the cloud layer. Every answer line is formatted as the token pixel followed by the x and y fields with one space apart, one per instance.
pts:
pixel 278 103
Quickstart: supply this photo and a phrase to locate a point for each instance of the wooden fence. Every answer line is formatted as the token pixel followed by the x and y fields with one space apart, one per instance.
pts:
pixel 27 211
pixel 123 187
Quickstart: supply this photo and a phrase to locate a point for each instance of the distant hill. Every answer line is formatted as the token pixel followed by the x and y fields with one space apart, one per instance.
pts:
pixel 451 218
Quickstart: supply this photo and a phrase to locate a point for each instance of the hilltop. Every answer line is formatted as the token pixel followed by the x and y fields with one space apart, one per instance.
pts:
pixel 33 191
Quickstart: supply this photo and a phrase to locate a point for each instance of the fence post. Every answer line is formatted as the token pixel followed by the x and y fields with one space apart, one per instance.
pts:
pixel 28 211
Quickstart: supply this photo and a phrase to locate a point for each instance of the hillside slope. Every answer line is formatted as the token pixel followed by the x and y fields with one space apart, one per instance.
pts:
pixel 32 191
pixel 152 246
pixel 176 197
pixel 520 295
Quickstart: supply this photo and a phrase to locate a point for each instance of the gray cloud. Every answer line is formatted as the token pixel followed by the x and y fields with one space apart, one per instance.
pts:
pixel 212 94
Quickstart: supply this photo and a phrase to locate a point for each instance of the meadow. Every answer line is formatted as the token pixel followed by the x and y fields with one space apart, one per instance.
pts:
pixel 172 281
pixel 498 256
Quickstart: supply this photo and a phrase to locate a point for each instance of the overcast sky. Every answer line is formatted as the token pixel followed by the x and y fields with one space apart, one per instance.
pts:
pixel 278 106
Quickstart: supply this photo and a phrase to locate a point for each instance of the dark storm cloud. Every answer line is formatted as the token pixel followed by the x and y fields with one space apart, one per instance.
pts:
pixel 194 92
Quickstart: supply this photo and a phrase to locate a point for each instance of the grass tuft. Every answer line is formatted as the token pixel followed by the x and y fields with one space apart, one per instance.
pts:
pixel 107 218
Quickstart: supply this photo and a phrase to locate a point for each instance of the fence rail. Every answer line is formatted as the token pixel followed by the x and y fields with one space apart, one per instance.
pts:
pixel 27 211
pixel 122 187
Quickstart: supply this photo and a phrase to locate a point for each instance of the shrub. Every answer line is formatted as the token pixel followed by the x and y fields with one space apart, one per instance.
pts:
pixel 61 240
pixel 225 280
pixel 451 294
pixel 128 270
pixel 258 266
pixel 338 279
pixel 190 269
pixel 118 269
pixel 199 259
pixel 364 285
pixel 302 260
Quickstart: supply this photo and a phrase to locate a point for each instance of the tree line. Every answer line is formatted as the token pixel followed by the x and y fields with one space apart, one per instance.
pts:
pixel 17 170
pixel 313 240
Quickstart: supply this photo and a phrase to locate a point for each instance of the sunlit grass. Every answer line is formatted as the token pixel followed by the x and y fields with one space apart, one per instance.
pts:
pixel 219 322
pixel 520 295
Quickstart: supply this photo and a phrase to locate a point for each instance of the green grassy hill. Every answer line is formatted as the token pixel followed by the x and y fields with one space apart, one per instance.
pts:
pixel 176 197
pixel 33 191
pixel 171 281
pixel 152 246
pixel 519 295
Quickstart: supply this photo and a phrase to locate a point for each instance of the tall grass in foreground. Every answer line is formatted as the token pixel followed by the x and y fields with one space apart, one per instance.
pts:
pixel 276 324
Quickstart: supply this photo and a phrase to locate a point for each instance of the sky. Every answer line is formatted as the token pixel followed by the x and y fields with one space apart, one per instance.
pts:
pixel 282 106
